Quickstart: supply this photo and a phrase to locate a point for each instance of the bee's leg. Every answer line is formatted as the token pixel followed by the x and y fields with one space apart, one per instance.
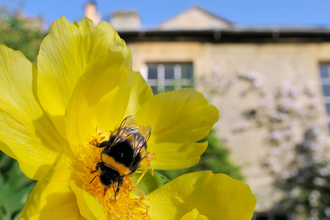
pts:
pixel 98 165
pixel 114 191
pixel 119 184
pixel 105 190
pixel 102 145
pixel 94 178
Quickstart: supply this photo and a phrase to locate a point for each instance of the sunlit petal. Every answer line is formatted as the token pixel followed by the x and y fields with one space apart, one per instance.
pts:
pixel 27 134
pixel 194 215
pixel 65 55
pixel 178 119
pixel 123 101
pixel 216 196
pixel 84 106
pixel 89 207
pixel 52 197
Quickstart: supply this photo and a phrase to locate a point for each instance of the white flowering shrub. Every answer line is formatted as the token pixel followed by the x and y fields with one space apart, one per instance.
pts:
pixel 298 154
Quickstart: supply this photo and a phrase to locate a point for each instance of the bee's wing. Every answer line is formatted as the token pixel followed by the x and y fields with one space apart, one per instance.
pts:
pixel 129 122
pixel 129 129
pixel 145 132
pixel 126 128
pixel 140 140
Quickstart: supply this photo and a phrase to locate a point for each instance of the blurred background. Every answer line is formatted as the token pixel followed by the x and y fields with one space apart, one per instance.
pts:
pixel 264 64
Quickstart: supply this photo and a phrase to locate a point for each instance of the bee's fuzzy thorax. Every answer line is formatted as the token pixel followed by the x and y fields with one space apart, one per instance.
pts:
pixel 125 205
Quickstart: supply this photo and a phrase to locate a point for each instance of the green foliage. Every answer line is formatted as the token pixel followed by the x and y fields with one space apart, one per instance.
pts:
pixel 149 182
pixel 215 158
pixel 306 185
pixel 25 35
pixel 15 188
pixel 22 34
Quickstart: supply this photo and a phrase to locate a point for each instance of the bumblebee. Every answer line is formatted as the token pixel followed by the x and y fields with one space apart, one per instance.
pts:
pixel 122 154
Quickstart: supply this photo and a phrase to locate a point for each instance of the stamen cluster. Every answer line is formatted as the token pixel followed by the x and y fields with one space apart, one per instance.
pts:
pixel 127 205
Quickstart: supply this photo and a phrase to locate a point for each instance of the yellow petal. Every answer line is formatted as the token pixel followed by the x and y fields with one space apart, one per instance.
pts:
pixel 123 101
pixel 105 111
pixel 52 197
pixel 27 134
pixel 98 80
pixel 194 215
pixel 170 156
pixel 216 196
pixel 64 56
pixel 177 119
pixel 89 207
pixel 113 42
pixel 140 92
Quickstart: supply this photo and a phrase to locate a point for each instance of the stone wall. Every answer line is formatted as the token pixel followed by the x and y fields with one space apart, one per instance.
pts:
pixel 275 64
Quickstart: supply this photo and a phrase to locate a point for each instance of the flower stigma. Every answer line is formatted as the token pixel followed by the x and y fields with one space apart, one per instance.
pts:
pixel 126 204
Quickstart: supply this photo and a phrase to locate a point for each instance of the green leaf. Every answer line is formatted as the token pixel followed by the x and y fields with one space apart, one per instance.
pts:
pixel 17 179
pixel 5 162
pixel 14 191
pixel 149 182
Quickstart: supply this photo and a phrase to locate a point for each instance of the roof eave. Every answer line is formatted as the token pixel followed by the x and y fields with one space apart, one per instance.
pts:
pixel 227 35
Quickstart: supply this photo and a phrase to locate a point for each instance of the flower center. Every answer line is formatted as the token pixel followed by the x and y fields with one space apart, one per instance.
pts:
pixel 126 204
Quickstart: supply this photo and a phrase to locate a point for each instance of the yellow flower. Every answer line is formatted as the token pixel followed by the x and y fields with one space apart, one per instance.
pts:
pixel 53 117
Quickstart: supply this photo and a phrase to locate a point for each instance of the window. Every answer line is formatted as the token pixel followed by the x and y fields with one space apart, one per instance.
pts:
pixel 325 82
pixel 164 77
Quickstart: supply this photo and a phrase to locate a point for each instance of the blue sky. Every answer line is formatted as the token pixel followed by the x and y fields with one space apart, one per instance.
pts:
pixel 153 12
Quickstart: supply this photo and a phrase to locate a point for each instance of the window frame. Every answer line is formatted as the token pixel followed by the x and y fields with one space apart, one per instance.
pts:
pixel 325 82
pixel 177 82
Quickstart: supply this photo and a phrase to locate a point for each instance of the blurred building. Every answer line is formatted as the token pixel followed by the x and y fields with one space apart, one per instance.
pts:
pixel 197 49
pixel 91 12
pixel 126 20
